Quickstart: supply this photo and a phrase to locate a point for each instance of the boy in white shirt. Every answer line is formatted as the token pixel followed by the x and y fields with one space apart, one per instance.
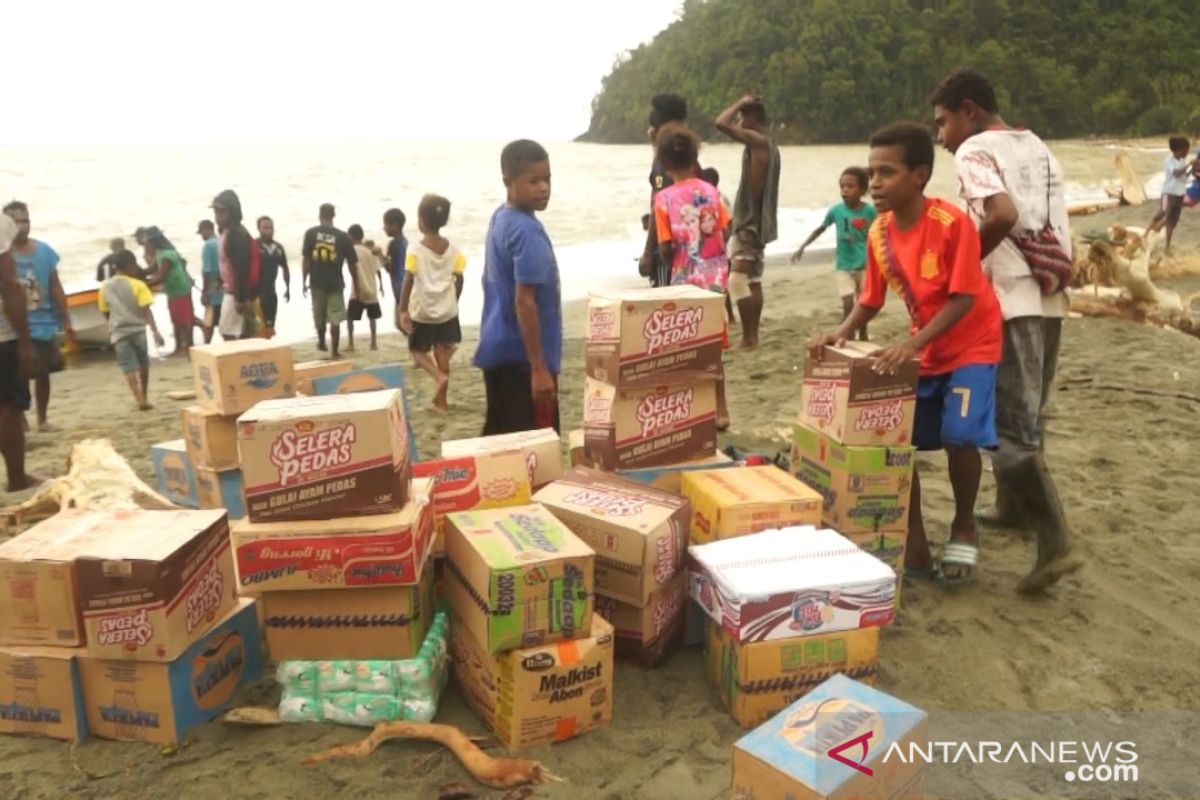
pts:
pixel 1176 168
pixel 364 296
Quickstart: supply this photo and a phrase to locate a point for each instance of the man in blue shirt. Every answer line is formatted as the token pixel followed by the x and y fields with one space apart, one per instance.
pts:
pixel 213 292
pixel 37 269
pixel 520 337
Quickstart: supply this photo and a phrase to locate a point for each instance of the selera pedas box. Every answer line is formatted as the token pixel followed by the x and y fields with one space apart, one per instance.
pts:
pixel 842 396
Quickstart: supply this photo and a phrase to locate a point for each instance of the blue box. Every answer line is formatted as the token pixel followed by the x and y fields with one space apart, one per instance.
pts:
pixel 834 742
pixel 668 478
pixel 40 693
pixel 174 473
pixel 153 702
pixel 371 379
pixel 221 490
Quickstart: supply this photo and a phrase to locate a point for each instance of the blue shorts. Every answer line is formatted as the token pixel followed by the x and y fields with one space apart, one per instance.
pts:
pixel 132 353
pixel 957 408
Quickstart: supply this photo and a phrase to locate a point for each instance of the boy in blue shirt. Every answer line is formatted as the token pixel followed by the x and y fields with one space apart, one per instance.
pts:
pixel 851 219
pixel 520 336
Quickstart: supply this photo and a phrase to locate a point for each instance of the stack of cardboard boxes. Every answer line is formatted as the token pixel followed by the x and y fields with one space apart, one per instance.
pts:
pixel 124 624
pixel 853 444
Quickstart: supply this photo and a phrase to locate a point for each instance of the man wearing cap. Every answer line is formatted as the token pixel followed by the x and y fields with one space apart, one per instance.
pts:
pixel 238 258
pixel 326 249
pixel 212 291
pixel 17 362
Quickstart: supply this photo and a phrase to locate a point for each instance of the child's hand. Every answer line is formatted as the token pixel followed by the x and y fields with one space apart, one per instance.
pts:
pixel 889 360
pixel 799 254
pixel 406 323
pixel 816 345
pixel 159 341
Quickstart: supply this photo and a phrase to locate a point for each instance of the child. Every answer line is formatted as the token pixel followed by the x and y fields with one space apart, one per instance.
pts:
pixel 691 221
pixel 927 250
pixel 520 334
pixel 851 218
pixel 433 282
pixel 713 178
pixel 363 295
pixel 1175 171
pixel 397 254
pixel 171 274
pixel 125 302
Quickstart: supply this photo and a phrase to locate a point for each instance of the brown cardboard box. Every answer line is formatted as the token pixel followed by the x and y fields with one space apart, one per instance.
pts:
pixel 575 455
pixel 648 426
pixel 305 371
pixel 639 533
pixel 518 577
pixel 40 693
pixel 655 336
pixel 755 681
pixel 537 695
pixel 744 500
pixel 232 376
pixel 843 397
pixel 325 457
pixel 211 438
pixel 648 634
pixel 888 547
pixel 669 478
pixel 374 623
pixel 153 582
pixel 495 480
pixel 542 449
pixel 347 553
pixel 865 489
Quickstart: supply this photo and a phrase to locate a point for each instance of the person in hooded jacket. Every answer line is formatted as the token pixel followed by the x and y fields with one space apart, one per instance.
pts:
pixel 239 268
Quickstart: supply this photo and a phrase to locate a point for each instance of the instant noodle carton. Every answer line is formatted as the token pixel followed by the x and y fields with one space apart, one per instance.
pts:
pixel 655 336
pixel 639 534
pixel 542 449
pixel 369 379
pixel 650 632
pixel 379 550
pixel 788 583
pixel 843 397
pixel 495 480
pixel 744 500
pixel 40 693
pixel 174 473
pixel 648 426
pixel 160 703
pixel 222 489
pixel 758 680
pixel 537 695
pixel 307 371
pixel 325 457
pixel 232 376
pixel 669 478
pixel 832 744
pixel 211 438
pixel 888 547
pixel 518 577
pixel 865 489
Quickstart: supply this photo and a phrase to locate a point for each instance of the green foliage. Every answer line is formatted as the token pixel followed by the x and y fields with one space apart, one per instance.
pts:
pixel 833 70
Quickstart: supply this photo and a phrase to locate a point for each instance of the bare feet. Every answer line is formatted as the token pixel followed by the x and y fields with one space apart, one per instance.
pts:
pixel 145 406
pixel 46 427
pixel 748 345
pixel 350 347
pixel 439 395
pixel 321 347
pixel 374 346
pixel 335 356
pixel 30 481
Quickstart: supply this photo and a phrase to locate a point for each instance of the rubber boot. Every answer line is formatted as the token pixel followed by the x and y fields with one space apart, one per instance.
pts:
pixel 1009 511
pixel 1043 509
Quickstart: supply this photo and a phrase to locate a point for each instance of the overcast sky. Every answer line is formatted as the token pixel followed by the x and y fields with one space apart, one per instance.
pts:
pixel 167 70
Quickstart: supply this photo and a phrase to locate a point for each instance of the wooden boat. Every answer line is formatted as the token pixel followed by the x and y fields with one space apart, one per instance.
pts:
pixel 91 328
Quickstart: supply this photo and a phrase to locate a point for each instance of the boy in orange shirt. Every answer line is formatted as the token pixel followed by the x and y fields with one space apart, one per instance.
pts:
pixel 927 250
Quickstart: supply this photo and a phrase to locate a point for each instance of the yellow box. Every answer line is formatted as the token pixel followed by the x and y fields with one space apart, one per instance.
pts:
pixel 307 371
pixel 744 500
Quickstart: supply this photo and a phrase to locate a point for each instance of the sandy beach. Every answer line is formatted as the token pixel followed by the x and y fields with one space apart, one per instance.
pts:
pixel 1111 637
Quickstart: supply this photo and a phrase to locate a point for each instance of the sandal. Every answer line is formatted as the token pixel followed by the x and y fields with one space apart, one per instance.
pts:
pixel 929 573
pixel 958 554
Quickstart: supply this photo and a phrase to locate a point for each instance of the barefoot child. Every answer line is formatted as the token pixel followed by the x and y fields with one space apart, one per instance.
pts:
pixel 1175 176
pixel 173 276
pixel 397 255
pixel 927 250
pixel 125 301
pixel 433 282
pixel 364 297
pixel 851 218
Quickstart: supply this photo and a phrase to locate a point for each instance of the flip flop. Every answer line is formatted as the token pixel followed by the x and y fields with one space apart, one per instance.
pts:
pixel 929 573
pixel 958 554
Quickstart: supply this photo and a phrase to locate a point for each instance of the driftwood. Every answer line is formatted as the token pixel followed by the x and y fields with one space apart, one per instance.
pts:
pixel 97 478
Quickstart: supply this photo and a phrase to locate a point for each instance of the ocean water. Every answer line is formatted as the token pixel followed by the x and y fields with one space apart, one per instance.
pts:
pixel 80 197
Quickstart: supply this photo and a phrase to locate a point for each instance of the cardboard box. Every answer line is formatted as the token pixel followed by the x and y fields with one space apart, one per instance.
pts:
pixel 367 379
pixel 160 703
pixel 754 682
pixel 649 633
pixel 792 582
pixel 865 489
pixel 575 455
pixel 497 480
pixel 232 376
pixel 307 371
pixel 325 457
pixel 648 426
pixel 843 397
pixel 380 550
pixel 654 336
pixel 174 473
pixel 745 500
pixel 518 577
pixel 639 534
pixel 669 478
pixel 211 438
pixel 542 449
pixel 39 597
pixel 152 582
pixel 537 695
pixel 388 622
pixel 888 547
pixel 792 755
pixel 222 490
pixel 40 693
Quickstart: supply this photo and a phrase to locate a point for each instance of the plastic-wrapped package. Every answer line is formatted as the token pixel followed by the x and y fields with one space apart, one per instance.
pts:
pixel 299 708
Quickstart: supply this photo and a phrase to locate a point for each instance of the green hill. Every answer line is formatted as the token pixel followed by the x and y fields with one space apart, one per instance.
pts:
pixel 833 70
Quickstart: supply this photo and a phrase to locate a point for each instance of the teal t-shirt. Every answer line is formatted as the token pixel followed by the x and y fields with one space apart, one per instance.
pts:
pixel 851 225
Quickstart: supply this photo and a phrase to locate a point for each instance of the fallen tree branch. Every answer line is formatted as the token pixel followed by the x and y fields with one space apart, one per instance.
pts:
pixel 1125 308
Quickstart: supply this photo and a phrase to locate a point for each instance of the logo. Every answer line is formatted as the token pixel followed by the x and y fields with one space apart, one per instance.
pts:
pixel 667 611
pixel 858 741
pixel 132 629
pixel 668 328
pixel 35 715
pixel 597 408
pixel 206 382
pixel 448 475
pixel 835 728
pixel 897 459
pixel 262 375
pixel 605 503
pixel 217 671
pixel 821 401
pixel 302 450
pixel 205 597
pixel 531 464
pixel 538 662
pixel 664 559
pixel 602 323
pixel 175 475
pixel 659 411
pixel 569 685
pixel 499 489
pixel 881 418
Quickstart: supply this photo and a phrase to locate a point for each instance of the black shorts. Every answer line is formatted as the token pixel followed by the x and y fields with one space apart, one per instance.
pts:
pixel 354 312
pixel 14 390
pixel 510 406
pixel 427 335
pixel 1171 208
pixel 49 359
